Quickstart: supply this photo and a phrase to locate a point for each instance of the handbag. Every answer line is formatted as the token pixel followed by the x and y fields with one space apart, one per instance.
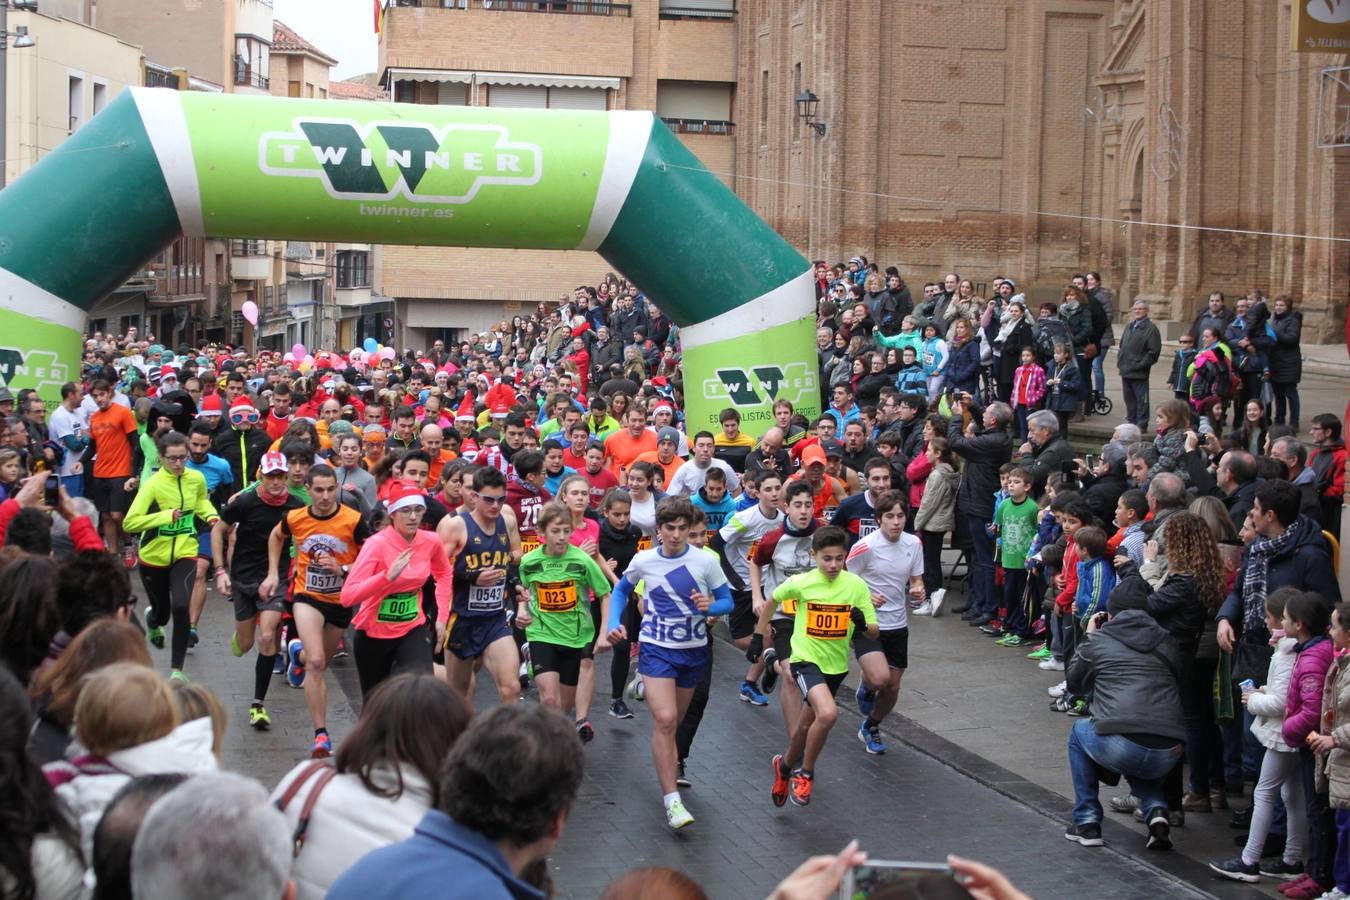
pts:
pixel 1251 661
pixel 325 773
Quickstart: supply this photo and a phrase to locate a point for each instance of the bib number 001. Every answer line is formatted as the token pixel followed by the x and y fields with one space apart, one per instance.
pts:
pixel 827 620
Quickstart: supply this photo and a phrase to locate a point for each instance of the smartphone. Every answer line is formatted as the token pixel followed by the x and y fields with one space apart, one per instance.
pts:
pixel 51 491
pixel 877 876
pixel 1091 460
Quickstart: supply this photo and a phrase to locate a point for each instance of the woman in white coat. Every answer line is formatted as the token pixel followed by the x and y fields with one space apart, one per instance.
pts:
pixel 383 780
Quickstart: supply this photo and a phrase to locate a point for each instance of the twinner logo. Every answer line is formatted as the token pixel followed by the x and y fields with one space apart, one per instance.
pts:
pixel 36 369
pixel 384 161
pixel 761 384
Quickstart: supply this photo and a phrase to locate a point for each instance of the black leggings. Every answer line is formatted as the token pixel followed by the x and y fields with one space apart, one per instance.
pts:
pixel 693 716
pixel 170 592
pixel 378 658
pixel 618 666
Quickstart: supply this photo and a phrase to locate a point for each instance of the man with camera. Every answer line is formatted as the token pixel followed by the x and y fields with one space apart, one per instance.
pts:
pixel 1045 450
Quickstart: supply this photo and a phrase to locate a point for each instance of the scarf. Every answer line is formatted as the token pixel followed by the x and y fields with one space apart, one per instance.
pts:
pixel 1005 330
pixel 1258 568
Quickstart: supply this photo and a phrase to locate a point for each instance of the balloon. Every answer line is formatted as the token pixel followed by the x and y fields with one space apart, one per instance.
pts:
pixel 370 345
pixel 388 353
pixel 250 312
pixel 299 351
pixel 288 356
pixel 309 360
pixel 304 368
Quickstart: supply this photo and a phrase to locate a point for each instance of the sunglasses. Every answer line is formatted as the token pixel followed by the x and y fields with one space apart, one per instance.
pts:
pixel 492 501
pixel 238 418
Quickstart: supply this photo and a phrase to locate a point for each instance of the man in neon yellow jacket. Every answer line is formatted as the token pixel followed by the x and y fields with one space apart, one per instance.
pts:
pixel 170 508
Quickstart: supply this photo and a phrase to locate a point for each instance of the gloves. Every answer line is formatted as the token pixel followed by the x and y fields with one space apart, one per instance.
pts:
pixel 756 648
pixel 857 617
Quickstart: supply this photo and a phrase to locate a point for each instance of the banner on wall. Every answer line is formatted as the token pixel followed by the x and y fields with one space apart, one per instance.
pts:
pixel 1320 26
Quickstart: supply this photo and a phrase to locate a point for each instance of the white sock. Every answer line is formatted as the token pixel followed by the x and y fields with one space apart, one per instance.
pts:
pixel 669 799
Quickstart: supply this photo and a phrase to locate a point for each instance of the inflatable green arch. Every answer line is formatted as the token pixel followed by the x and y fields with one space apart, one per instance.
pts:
pixel 158 162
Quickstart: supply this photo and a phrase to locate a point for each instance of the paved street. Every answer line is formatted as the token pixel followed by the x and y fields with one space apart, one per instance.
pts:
pixel 909 804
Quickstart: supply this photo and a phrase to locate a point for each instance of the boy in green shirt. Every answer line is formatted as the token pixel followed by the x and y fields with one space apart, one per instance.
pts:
pixel 555 580
pixel 1015 524
pixel 830 602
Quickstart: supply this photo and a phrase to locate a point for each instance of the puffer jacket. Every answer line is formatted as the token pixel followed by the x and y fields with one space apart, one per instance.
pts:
pixel 348 821
pixel 937 510
pixel 1132 667
pixel 1286 359
pixel 1174 605
pixel 1267 704
pixel 1303 700
pixel 1333 771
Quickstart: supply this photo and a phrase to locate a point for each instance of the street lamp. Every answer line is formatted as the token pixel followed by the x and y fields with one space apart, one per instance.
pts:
pixel 22 41
pixel 806 111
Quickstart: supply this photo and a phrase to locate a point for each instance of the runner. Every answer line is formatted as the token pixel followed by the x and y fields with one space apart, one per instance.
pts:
pixel 684 586
pixel 556 579
pixel 218 477
pixel 252 515
pixel 622 448
pixel 485 545
pixel 575 496
pixel 828 491
pixel 890 560
pixel 857 513
pixel 327 537
pixel 386 584
pixel 780 554
pixel 734 543
pixel 526 495
pixel 619 544
pixel 830 604
pixel 601 480
pixel 643 497
pixel 166 512
pixel 117 455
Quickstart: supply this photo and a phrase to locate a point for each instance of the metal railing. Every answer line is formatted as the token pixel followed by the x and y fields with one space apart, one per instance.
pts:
pixel 573 7
pixel 699 126
pixel 246 76
pixel 673 11
pixel 248 248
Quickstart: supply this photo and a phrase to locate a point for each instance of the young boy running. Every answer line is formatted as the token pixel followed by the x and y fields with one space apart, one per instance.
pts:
pixel 890 561
pixel 684 586
pixel 555 579
pixel 830 603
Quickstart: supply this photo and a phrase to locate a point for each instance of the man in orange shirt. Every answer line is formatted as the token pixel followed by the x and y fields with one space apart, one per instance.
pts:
pixel 663 457
pixel 622 448
pixel 431 441
pixel 116 446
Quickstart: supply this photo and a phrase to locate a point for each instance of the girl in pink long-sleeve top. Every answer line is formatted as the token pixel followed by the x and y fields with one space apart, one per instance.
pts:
pixel 1028 389
pixel 385 583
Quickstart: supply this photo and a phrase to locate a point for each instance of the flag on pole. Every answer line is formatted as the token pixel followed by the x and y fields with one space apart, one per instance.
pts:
pixel 379 16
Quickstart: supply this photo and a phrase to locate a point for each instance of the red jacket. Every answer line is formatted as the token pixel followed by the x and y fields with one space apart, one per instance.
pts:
pixel 83 534
pixel 1332 457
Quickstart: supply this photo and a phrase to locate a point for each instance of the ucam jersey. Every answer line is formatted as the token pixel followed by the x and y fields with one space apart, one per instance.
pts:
pixel 887 567
pixel 669 616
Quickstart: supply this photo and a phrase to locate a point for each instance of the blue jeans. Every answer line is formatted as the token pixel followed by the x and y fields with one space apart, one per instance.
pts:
pixel 1098 374
pixel 1142 767
pixel 982 598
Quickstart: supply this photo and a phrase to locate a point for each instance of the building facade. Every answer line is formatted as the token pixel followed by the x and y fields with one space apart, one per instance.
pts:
pixel 1039 138
pixel 678 59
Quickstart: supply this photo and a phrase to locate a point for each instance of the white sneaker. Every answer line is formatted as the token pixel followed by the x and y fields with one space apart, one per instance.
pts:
pixel 677 816
pixel 1058 690
pixel 1334 894
pixel 923 609
pixel 1050 665
pixel 936 600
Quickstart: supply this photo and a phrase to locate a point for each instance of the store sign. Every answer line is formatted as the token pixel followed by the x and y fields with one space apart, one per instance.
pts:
pixel 1320 26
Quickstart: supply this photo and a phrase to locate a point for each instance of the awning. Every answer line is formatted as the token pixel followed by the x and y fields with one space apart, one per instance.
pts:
pixel 454 76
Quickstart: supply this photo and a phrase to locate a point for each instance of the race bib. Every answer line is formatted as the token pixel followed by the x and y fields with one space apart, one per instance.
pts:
pixel 788 607
pixel 398 607
pixel 827 620
pixel 529 543
pixel 827 514
pixel 186 524
pixel 486 599
pixel 557 596
pixel 317 582
pixel 866 527
pixel 644 543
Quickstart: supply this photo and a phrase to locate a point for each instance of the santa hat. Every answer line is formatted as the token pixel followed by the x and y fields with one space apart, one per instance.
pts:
pixel 465 411
pixel 210 406
pixel 663 407
pixel 167 372
pixel 242 404
pixel 500 410
pixel 404 495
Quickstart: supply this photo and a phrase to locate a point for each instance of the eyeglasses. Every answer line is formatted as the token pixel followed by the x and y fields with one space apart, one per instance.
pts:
pixel 1187 343
pixel 174 458
pixel 492 501
pixel 415 512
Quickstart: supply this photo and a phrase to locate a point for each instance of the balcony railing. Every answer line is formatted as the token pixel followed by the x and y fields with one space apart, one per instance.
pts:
pixel 696 11
pixel 247 76
pixel 248 248
pixel 699 126
pixel 573 7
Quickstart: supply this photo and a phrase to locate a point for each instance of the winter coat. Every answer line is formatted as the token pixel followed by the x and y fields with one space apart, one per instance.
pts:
pixel 1303 700
pixel 1132 668
pixel 1044 460
pixel 1286 359
pixel 1328 464
pixel 1171 446
pixel 915 474
pixel 1175 605
pixel 58 871
pixel 902 339
pixel 244 452
pixel 1267 704
pixel 1179 380
pixel 1010 354
pixel 937 510
pixel 1333 773
pixel 1063 397
pixel 1102 493
pixel 963 367
pixel 1079 323
pixel 984 454
pixel 891 309
pixel 348 821
pixel 1030 379
pixel 1047 333
pixel 911 380
pixel 1205 319
pixel 1107 301
pixel 1140 347
pixel 868 390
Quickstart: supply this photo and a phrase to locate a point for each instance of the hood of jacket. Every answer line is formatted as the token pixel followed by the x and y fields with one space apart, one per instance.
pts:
pixel 1136 629
pixel 186 749
pixel 609 532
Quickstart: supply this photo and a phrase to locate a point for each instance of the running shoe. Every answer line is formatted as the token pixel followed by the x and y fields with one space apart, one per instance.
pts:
pixel 866 700
pixel 234 645
pixel 770 676
pixel 1159 832
pixel 992 627
pixel 750 694
pixel 779 791
pixel 156 636
pixel 258 718
pixel 1041 653
pixel 1011 640
pixel 871 738
pixel 280 662
pixel 323 747
pixel 177 675
pixel 1051 665
pixel 935 600
pixel 923 609
pixel 1236 870
pixel 1300 882
pixel 799 788
pixel 1058 690
pixel 295 672
pixel 681 779
pixel 636 689
pixel 619 710
pixel 1078 709
pixel 1089 834
pixel 677 816
pixel 193 639
pixel 585 731
pixel 1278 868
pixel 1308 889
pixel 1127 804
pixel 341 650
